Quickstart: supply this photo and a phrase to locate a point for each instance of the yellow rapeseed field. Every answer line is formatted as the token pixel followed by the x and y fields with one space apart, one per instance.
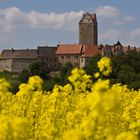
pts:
pixel 81 110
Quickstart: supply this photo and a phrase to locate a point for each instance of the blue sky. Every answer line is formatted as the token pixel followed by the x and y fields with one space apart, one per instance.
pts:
pixel 31 23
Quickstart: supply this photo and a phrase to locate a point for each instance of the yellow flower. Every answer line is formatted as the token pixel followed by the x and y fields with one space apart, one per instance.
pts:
pixel 97 74
pixel 104 66
pixel 126 135
pixel 74 135
pixel 36 82
pixel 4 85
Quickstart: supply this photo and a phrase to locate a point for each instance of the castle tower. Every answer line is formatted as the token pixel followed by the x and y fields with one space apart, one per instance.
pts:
pixel 88 29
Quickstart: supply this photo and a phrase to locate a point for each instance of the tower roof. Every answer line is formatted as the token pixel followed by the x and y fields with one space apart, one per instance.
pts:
pixel 93 16
pixel 118 44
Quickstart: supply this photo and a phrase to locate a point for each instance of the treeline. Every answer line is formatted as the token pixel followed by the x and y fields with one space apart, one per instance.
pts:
pixel 125 70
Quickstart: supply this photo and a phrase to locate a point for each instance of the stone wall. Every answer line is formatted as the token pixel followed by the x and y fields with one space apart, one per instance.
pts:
pixel 6 65
pixel 19 65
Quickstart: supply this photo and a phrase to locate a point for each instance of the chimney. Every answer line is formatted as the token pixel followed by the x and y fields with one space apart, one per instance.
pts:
pixel 13 50
pixel 128 47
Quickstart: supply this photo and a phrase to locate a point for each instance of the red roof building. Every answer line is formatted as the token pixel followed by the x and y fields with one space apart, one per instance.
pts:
pixel 76 54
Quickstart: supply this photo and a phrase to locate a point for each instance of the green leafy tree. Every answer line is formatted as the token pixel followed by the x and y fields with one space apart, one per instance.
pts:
pixel 65 72
pixel 117 62
pixel 126 75
pixel 48 85
pixel 92 67
pixel 133 59
pixel 135 85
pixel 24 75
pixel 34 69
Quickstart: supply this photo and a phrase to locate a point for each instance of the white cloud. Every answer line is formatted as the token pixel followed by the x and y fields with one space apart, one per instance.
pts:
pixel 110 35
pixel 123 20
pixel 135 34
pixel 64 21
pixel 107 11
pixel 118 22
pixel 129 18
pixel 13 17
pixel 113 14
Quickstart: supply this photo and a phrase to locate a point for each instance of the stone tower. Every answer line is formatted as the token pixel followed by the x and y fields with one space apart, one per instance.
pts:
pixel 88 29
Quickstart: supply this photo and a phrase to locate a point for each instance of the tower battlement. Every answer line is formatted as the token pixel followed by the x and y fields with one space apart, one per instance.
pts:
pixel 88 29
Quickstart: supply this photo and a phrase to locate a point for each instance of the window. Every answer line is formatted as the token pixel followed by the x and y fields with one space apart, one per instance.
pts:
pixel 76 64
pixel 76 57
pixel 104 53
pixel 68 57
pixel 62 57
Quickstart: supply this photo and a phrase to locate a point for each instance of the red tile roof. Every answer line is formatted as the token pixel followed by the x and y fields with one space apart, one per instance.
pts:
pixel 91 50
pixel 69 49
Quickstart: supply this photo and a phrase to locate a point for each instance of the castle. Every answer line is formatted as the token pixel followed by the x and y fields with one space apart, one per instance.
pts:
pixel 53 58
pixel 88 29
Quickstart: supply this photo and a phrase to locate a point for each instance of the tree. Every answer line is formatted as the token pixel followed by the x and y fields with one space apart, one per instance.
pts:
pixel 24 75
pixel 65 72
pixel 117 62
pixel 92 67
pixel 135 85
pixel 133 59
pixel 34 69
pixel 126 75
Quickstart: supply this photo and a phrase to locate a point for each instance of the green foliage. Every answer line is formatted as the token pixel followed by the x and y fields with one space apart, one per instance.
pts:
pixel 34 69
pixel 48 85
pixel 126 75
pixel 92 67
pixel 65 72
pixel 126 69
pixel 14 85
pixel 6 74
pixel 117 62
pixel 133 59
pixel 24 75
pixel 135 85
